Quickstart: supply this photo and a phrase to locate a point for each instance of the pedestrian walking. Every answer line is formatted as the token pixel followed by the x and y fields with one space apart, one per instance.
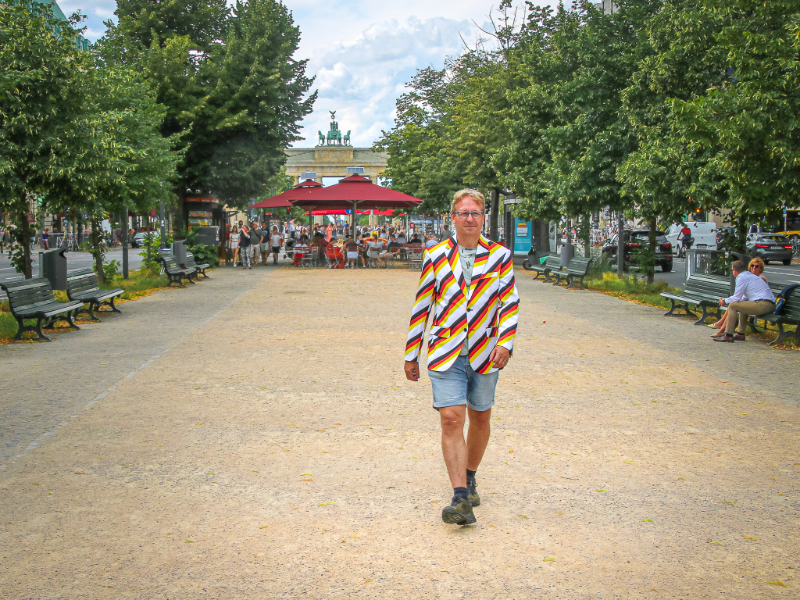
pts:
pixel 244 246
pixel 468 284
pixel 276 241
pixel 45 240
pixel 264 244
pixel 255 244
pixel 233 239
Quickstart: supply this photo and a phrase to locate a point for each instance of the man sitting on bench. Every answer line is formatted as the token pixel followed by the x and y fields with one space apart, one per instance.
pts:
pixel 752 296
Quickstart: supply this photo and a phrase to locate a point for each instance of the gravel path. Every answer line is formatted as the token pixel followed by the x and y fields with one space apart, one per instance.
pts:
pixel 254 437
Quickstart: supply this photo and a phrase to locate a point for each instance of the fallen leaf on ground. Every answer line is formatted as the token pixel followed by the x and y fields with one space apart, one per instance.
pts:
pixel 523 516
pixel 549 560
pixel 326 503
pixel 726 502
pixel 750 537
pixel 647 520
pixel 777 583
pixel 601 491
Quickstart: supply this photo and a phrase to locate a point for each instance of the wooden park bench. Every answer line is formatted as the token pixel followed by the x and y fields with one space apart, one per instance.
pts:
pixel 789 316
pixel 174 271
pixel 33 299
pixel 702 291
pixel 541 267
pixel 577 268
pixel 552 266
pixel 82 287
pixel 199 269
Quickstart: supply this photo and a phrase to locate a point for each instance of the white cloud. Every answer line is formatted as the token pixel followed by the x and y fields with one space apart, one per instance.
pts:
pixel 361 78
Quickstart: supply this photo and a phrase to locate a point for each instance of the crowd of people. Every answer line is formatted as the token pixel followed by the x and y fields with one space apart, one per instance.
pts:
pixel 331 244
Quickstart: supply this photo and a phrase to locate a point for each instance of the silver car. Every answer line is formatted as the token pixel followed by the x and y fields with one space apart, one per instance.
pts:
pixel 769 246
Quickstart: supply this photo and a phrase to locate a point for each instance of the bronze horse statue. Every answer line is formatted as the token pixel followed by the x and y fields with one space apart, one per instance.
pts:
pixel 321 138
pixel 347 138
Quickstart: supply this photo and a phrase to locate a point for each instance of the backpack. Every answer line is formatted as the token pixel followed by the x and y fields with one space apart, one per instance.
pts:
pixel 780 305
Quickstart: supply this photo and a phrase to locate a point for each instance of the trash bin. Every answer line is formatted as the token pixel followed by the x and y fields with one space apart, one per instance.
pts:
pixel 567 252
pixel 179 252
pixel 54 267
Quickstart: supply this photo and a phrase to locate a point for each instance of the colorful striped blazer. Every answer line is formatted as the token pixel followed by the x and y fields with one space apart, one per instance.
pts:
pixel 487 312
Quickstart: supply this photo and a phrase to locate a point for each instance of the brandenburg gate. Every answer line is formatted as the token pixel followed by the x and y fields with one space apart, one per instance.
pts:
pixel 332 157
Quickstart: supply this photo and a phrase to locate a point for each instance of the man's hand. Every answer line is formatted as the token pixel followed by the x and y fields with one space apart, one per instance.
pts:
pixel 412 370
pixel 500 356
pixel 722 301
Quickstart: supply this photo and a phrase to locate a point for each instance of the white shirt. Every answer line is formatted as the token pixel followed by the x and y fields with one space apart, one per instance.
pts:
pixel 750 287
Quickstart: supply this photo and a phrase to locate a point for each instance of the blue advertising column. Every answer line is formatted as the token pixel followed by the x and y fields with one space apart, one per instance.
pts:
pixel 523 237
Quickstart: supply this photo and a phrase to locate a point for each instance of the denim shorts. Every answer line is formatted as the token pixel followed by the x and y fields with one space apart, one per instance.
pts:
pixel 460 385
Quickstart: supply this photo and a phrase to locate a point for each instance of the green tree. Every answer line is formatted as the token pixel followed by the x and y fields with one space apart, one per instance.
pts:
pixel 117 158
pixel 39 101
pixel 230 83
pixel 750 123
pixel 419 145
pixel 661 175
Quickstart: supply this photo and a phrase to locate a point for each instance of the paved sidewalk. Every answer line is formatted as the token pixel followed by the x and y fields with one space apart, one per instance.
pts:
pixel 268 446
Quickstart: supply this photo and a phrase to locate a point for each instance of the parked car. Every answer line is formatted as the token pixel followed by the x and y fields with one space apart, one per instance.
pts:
pixel 639 238
pixel 769 246
pixel 704 234
pixel 138 239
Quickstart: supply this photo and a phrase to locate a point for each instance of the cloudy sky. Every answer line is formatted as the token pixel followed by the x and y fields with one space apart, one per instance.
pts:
pixel 362 52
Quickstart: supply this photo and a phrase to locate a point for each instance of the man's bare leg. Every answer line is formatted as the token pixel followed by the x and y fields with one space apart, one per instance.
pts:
pixel 477 436
pixel 454 448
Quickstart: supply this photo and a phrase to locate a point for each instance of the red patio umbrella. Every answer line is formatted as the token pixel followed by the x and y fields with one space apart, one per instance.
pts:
pixel 353 192
pixel 282 200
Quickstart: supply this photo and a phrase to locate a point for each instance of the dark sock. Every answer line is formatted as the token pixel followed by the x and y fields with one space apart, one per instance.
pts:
pixel 460 492
pixel 471 474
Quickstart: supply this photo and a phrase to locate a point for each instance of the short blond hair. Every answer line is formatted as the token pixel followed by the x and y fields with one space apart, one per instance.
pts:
pixel 756 261
pixel 467 193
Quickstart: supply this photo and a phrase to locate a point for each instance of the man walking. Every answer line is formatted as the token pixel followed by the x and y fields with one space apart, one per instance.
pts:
pixel 752 296
pixel 255 243
pixel 467 282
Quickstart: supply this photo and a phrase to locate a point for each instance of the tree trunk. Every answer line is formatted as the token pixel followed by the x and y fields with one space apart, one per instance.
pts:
pixel 25 240
pixel 541 236
pixel 620 245
pixel 587 235
pixel 494 216
pixel 741 232
pixel 96 250
pixel 178 224
pixel 652 241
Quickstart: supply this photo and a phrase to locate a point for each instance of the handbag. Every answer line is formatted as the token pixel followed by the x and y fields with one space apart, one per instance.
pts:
pixel 780 304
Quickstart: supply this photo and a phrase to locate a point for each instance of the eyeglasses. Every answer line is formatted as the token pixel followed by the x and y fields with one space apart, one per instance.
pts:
pixel 756 267
pixel 465 214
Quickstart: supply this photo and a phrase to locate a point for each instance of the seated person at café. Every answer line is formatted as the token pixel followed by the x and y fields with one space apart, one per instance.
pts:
pixel 393 248
pixel 351 250
pixel 414 238
pixel 300 249
pixel 432 241
pixel 374 248
pixel 401 237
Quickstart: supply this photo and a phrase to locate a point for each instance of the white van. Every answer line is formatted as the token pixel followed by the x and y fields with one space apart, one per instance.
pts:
pixel 703 232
